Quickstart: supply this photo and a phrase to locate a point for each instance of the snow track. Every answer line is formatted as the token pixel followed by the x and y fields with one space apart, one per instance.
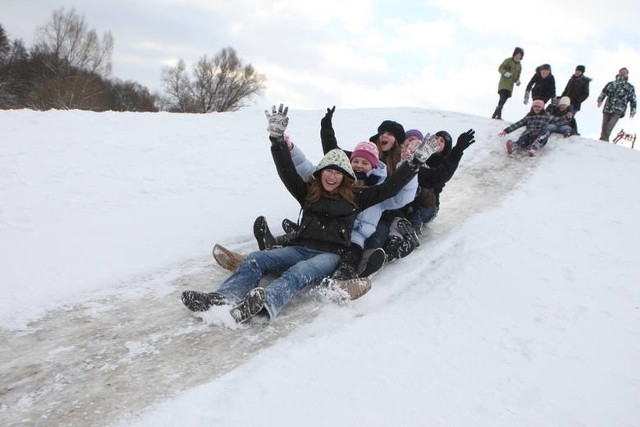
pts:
pixel 103 361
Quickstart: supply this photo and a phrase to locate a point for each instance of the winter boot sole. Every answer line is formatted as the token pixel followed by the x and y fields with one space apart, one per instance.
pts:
pixel 251 305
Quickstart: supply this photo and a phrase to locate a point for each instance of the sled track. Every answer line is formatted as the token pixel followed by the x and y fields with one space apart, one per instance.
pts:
pixel 104 361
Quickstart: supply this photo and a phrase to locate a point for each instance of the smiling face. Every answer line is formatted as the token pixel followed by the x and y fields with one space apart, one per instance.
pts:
pixel 360 164
pixel 331 179
pixel 387 141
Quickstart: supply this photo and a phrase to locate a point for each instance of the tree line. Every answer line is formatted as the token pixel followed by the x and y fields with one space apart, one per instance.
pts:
pixel 69 67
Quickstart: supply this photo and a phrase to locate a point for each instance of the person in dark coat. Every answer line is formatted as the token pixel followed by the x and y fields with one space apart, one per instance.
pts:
pixel 330 203
pixel 577 88
pixel 542 85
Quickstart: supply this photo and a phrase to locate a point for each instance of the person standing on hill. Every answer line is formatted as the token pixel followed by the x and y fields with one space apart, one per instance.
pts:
pixel 542 85
pixel 577 89
pixel 618 93
pixel 510 71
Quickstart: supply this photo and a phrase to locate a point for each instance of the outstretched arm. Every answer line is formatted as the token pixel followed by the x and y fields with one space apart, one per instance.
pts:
pixel 278 122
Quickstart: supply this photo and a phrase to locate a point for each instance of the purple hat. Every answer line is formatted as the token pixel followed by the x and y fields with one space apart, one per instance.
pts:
pixel 413 132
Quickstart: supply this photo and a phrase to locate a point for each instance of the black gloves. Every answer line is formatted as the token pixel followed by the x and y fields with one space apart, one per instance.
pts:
pixel 326 120
pixel 466 139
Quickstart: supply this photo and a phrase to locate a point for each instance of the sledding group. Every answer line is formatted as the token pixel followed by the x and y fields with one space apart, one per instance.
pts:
pixel 356 206
pixel 559 114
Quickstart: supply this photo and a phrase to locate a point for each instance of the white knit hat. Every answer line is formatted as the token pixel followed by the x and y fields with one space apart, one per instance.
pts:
pixel 335 159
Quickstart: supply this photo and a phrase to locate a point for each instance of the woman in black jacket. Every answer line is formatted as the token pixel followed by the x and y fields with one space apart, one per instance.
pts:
pixel 542 85
pixel 330 203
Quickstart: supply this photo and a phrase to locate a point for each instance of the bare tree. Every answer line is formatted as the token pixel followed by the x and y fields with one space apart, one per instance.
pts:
pixel 219 84
pixel 176 83
pixel 225 83
pixel 68 42
pixel 72 63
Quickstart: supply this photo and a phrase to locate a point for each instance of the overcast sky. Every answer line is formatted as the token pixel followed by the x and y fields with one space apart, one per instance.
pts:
pixel 363 53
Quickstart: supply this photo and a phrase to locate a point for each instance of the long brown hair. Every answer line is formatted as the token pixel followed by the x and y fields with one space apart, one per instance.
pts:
pixel 392 157
pixel 344 190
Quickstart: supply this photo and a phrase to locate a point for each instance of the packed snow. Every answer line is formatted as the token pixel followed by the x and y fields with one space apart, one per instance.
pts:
pixel 520 307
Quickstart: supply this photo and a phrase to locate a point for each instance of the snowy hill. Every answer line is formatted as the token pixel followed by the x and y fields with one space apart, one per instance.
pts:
pixel 521 307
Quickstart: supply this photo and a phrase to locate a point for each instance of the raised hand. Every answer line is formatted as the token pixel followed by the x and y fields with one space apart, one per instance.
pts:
pixel 466 139
pixel 326 120
pixel 278 120
pixel 426 149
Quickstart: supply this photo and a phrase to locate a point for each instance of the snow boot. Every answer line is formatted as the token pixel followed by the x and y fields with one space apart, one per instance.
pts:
pixel 355 288
pixel 510 146
pixel 392 248
pixel 289 226
pixel 349 262
pixel 408 232
pixel 497 114
pixel 263 234
pixel 372 261
pixel 226 258
pixel 251 305
pixel 201 301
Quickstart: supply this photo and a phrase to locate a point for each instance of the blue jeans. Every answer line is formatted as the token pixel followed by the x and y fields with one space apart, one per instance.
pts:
pixel 526 140
pixel 298 267
pixel 559 129
pixel 421 215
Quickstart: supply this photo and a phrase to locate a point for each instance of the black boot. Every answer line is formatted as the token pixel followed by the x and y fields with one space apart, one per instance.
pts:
pixel 392 248
pixel 497 114
pixel 251 305
pixel 201 301
pixel 349 262
pixel 408 232
pixel 263 235
pixel 289 226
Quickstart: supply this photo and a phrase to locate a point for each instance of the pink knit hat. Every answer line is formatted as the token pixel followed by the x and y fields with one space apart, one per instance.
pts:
pixel 538 103
pixel 368 151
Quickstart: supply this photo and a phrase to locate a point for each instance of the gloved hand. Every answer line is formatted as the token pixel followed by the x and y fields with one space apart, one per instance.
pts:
pixel 526 97
pixel 278 121
pixel 466 139
pixel 507 75
pixel 326 120
pixel 517 82
pixel 426 149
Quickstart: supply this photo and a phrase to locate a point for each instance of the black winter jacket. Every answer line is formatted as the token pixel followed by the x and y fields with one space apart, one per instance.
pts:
pixel 326 224
pixel 577 90
pixel 540 88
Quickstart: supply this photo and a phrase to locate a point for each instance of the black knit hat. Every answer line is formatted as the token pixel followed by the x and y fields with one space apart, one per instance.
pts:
pixel 394 128
pixel 580 68
pixel 518 50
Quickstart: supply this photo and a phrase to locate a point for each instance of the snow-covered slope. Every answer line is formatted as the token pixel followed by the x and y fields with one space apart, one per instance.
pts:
pixel 521 307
